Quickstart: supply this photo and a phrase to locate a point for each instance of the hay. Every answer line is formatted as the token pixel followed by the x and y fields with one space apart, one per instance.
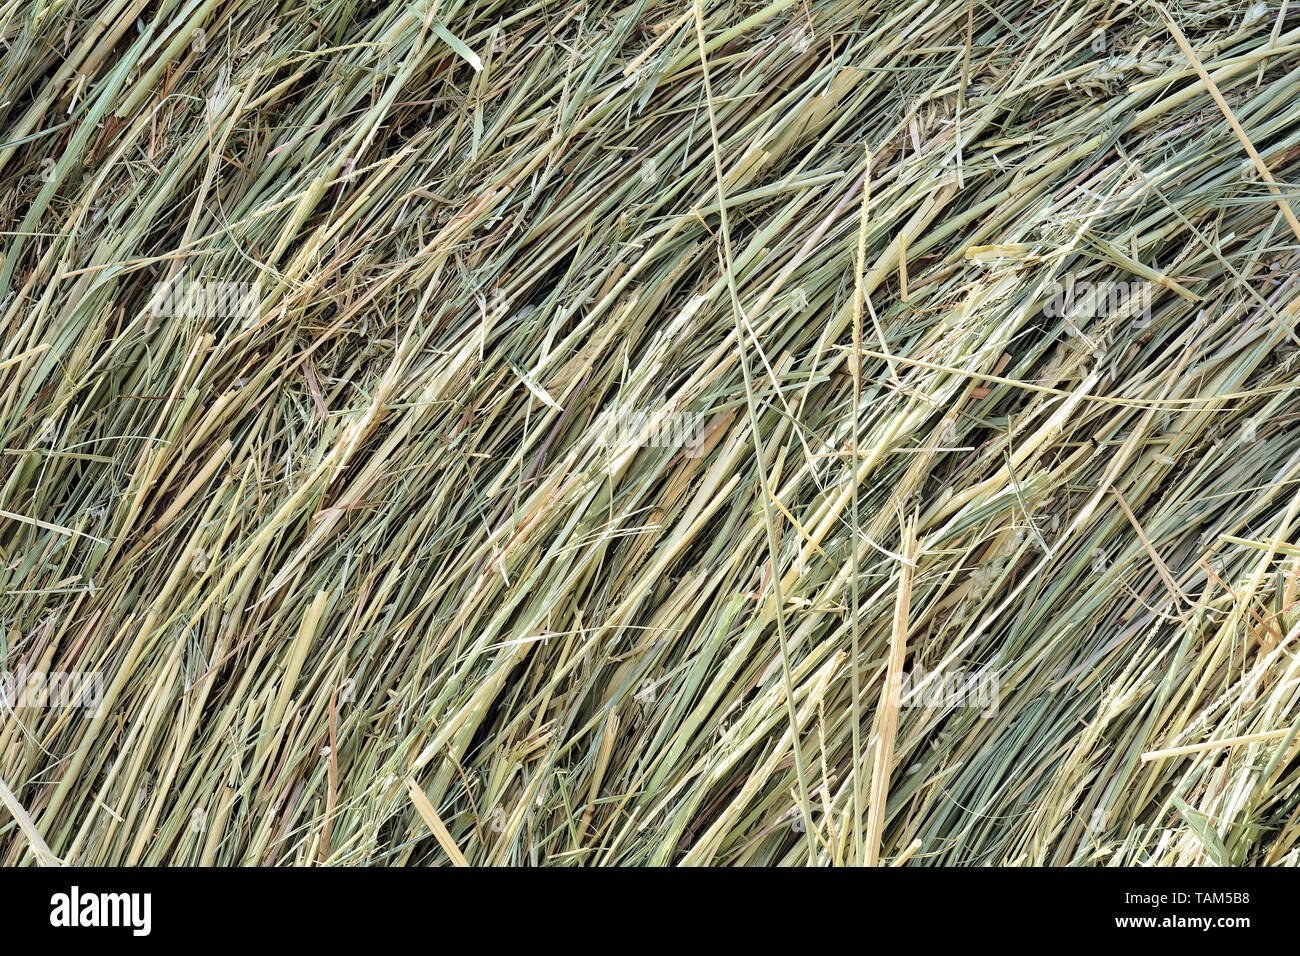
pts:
pixel 586 434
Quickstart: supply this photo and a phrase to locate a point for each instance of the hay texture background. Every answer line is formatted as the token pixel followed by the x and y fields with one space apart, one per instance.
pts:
pixel 573 433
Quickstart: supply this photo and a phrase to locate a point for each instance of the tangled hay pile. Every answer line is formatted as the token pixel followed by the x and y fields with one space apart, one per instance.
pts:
pixel 649 433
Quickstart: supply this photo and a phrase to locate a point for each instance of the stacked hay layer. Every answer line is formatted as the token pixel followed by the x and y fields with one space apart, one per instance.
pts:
pixel 619 434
